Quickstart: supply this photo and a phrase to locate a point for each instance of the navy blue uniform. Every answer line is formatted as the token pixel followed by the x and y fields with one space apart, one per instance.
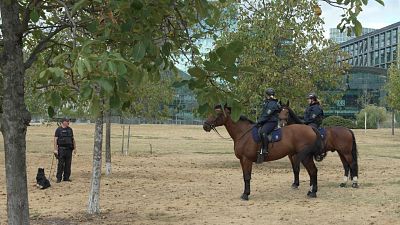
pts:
pixel 65 143
pixel 313 115
pixel 269 116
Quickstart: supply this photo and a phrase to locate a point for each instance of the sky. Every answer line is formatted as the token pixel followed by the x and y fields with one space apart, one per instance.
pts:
pixel 374 15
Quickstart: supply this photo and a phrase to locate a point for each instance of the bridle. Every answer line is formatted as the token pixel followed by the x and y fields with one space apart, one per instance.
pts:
pixel 214 129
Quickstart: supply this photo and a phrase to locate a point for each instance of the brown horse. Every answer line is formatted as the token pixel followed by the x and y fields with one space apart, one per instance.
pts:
pixel 340 139
pixel 300 140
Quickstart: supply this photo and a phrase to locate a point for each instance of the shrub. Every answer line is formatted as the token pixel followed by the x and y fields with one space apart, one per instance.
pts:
pixel 375 116
pixel 333 121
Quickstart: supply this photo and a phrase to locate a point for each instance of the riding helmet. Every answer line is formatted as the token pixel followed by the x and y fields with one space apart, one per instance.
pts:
pixel 270 91
pixel 312 96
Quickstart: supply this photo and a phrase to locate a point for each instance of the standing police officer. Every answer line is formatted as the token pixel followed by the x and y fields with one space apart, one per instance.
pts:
pixel 64 145
pixel 268 121
pixel 314 114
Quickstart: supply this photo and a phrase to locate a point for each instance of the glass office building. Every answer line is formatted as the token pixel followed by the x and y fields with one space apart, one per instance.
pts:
pixel 339 37
pixel 370 56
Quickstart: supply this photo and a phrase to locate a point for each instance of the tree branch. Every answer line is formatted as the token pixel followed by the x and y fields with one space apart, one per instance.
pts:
pixel 334 4
pixel 27 14
pixel 41 46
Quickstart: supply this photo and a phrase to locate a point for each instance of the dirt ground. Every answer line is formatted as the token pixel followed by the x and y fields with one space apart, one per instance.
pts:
pixel 183 175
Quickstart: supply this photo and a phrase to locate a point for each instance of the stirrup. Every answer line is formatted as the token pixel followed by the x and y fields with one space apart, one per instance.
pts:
pixel 260 157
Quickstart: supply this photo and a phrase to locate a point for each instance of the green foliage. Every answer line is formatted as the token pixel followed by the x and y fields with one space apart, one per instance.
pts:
pixel 393 86
pixel 375 116
pixel 276 53
pixel 332 121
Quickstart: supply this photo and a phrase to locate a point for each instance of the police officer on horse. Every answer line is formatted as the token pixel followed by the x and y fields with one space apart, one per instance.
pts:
pixel 313 114
pixel 267 121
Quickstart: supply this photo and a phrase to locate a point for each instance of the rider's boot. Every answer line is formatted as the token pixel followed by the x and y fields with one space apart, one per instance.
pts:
pixel 264 149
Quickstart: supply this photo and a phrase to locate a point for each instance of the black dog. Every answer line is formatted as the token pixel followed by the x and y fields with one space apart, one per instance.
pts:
pixel 41 181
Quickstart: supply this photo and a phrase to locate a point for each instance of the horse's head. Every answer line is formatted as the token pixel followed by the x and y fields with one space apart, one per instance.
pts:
pixel 284 114
pixel 217 119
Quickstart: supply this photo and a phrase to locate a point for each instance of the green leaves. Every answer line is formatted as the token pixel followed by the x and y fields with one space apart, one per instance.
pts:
pixel 34 15
pixel 139 50
pixel 357 27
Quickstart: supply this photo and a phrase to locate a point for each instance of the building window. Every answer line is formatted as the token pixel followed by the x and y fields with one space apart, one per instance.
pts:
pixel 376 57
pixel 388 55
pixel 387 38
pixel 365 45
pixel 356 61
pixel 382 40
pixel 360 47
pixel 394 53
pixel 355 49
pixel 365 60
pixel 382 56
pixel 394 37
pixel 371 60
pixel 376 42
pixel 372 43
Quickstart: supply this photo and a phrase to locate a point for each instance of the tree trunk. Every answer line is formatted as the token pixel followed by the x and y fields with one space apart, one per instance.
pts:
pixel 15 116
pixel 393 121
pixel 94 195
pixel 108 143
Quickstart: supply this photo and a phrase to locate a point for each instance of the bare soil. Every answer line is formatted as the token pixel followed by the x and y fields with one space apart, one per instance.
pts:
pixel 183 175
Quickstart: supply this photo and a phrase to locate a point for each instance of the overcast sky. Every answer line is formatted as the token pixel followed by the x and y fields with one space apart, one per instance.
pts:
pixel 373 15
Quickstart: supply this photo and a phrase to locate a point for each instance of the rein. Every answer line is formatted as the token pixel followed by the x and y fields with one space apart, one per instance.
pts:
pixel 215 129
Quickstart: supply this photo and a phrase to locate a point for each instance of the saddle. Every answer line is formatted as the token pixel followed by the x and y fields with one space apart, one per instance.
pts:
pixel 274 136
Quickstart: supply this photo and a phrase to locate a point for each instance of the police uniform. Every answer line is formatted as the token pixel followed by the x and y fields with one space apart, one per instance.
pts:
pixel 65 144
pixel 268 120
pixel 314 114
pixel 269 116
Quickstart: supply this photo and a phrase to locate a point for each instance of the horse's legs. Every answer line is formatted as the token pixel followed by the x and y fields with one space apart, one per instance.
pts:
pixel 246 168
pixel 352 167
pixel 312 172
pixel 346 167
pixel 296 172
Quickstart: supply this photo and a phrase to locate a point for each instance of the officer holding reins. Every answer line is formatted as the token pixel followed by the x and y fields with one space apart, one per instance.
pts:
pixel 268 121
pixel 314 114
pixel 64 145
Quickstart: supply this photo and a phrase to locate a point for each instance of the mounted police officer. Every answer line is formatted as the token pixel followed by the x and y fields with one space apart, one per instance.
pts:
pixel 64 145
pixel 314 114
pixel 268 121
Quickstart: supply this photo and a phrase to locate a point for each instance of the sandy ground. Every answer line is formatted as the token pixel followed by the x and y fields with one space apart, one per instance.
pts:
pixel 183 175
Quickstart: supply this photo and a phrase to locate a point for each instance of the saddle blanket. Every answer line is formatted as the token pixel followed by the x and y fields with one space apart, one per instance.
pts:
pixel 274 136
pixel 322 131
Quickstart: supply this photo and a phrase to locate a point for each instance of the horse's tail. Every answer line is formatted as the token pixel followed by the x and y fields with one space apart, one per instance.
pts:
pixel 354 153
pixel 319 148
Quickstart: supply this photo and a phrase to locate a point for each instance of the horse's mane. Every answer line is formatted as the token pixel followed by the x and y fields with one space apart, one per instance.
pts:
pixel 293 115
pixel 244 118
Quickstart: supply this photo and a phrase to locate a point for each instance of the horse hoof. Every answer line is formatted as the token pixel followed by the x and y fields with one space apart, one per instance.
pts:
pixel 295 186
pixel 342 185
pixel 245 197
pixel 311 194
pixel 354 185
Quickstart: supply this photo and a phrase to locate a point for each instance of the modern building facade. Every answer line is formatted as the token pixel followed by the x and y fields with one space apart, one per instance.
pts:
pixel 370 56
pixel 339 37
